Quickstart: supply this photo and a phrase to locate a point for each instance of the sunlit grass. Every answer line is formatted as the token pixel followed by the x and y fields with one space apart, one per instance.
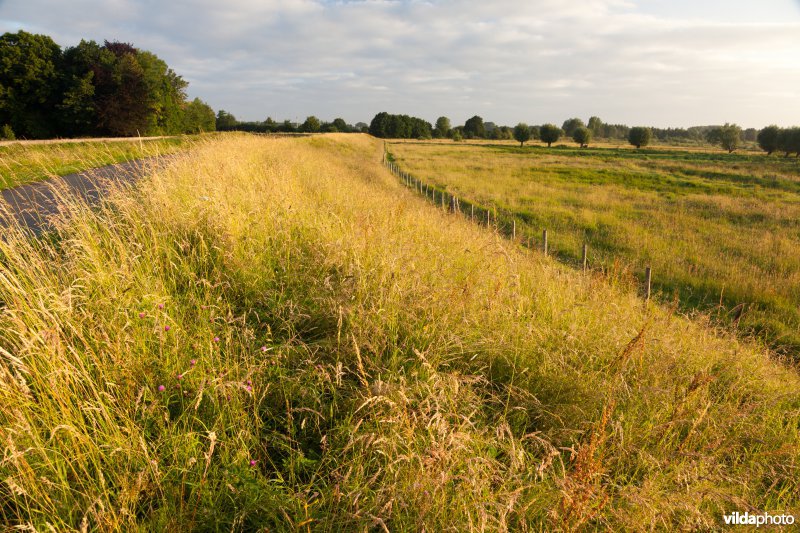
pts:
pixel 716 228
pixel 274 333
pixel 24 163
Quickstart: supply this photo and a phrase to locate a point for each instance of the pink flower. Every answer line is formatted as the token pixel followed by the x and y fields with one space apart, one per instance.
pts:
pixel 263 348
pixel 248 388
pixel 253 462
pixel 142 315
pixel 216 339
pixel 161 306
pixel 161 388
pixel 193 362
pixel 180 376
pixel 167 328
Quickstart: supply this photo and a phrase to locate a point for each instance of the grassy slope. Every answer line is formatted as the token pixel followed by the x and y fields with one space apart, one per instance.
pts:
pixel 380 362
pixel 20 164
pixel 715 227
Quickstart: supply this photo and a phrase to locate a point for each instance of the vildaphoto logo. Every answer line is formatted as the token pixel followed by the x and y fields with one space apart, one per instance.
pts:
pixel 758 520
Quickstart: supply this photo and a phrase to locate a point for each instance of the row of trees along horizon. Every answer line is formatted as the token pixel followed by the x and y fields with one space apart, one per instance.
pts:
pixel 91 90
pixel 729 137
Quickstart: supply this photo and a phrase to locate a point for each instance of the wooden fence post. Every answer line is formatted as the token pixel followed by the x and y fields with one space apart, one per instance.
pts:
pixel 544 241
pixel 647 278
pixel 472 212
pixel 585 255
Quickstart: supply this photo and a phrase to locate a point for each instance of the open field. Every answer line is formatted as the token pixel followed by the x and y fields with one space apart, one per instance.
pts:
pixel 22 163
pixel 274 333
pixel 721 231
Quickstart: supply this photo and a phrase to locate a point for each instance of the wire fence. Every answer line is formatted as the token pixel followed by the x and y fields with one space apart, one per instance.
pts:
pixel 501 221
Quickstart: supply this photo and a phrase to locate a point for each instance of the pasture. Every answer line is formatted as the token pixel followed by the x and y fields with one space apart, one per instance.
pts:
pixel 720 231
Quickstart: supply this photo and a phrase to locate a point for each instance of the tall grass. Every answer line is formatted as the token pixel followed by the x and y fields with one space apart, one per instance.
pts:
pixel 335 355
pixel 719 230
pixel 24 163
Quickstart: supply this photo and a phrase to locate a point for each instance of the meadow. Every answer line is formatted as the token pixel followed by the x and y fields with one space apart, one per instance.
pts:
pixel 275 334
pixel 720 231
pixel 25 163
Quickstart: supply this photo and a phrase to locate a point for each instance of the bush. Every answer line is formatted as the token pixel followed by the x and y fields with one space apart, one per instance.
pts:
pixel 640 136
pixel 7 134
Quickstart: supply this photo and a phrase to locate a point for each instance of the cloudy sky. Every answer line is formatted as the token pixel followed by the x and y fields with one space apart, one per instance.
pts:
pixel 650 62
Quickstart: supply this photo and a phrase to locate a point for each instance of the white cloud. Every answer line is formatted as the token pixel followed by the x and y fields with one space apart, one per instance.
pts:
pixel 507 60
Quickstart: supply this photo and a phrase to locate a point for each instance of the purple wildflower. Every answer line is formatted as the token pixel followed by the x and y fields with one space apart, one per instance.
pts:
pixel 253 462
pixel 167 328
pixel 142 315
pixel 216 339
pixel 161 306
pixel 193 362
pixel 161 388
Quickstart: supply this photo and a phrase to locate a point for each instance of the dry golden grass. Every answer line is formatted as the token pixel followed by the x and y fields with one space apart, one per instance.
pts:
pixel 342 356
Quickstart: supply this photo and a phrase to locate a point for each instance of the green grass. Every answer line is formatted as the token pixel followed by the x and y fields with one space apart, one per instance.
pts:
pixel 20 163
pixel 716 228
pixel 342 357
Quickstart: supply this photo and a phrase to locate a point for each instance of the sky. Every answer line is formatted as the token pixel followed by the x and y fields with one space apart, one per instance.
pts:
pixel 664 63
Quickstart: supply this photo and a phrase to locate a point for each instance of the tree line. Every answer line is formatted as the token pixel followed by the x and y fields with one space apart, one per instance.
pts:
pixel 227 122
pixel 728 136
pixel 91 90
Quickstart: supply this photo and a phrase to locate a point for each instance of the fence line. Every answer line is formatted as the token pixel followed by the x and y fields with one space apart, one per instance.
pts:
pixel 505 224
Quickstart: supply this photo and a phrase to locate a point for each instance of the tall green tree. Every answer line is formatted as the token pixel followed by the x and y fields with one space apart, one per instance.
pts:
pixel 789 141
pixel 730 137
pixel 125 106
pixel 768 139
pixel 442 128
pixel 29 83
pixel 582 135
pixel 522 133
pixel 596 125
pixel 167 94
pixel 640 136
pixel 380 125
pixel 549 133
pixel 77 111
pixel 474 127
pixel 570 125
pixel 198 117
pixel 311 125
pixel 226 121
pixel 341 125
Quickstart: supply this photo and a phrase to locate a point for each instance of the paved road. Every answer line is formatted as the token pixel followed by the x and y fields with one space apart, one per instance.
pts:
pixel 31 205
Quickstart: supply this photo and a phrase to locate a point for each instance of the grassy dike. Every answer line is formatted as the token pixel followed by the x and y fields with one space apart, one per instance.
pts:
pixel 25 163
pixel 275 333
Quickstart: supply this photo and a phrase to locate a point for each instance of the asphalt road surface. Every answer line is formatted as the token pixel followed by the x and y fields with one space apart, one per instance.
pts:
pixel 31 205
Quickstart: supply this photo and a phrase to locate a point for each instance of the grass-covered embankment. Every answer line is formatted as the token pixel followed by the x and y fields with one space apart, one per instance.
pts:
pixel 274 333
pixel 720 230
pixel 25 163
